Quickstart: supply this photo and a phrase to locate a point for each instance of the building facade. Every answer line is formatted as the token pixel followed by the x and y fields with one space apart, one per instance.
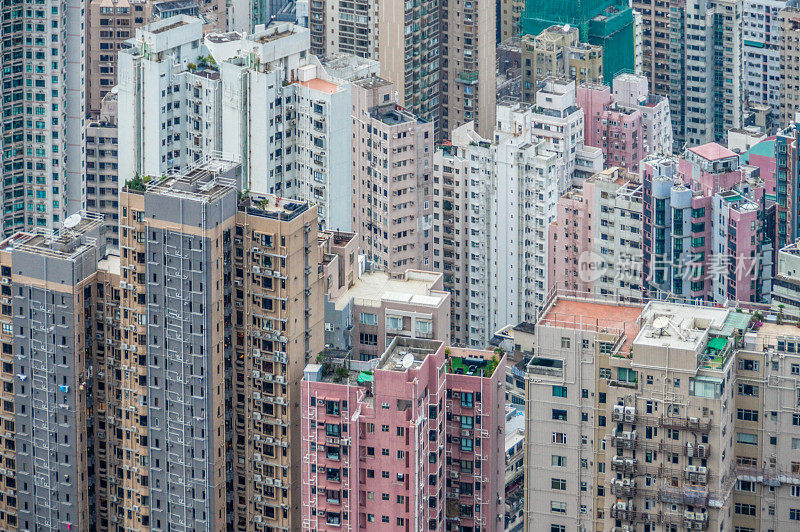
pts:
pixel 377 307
pixel 43 115
pixel 702 226
pixel 109 24
pixel 419 428
pixel 595 242
pixel 260 97
pixel 558 51
pixel 618 438
pixel 392 155
pixel 629 123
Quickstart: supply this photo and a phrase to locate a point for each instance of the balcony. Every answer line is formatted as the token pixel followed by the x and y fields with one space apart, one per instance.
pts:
pixel 468 77
pixel 693 424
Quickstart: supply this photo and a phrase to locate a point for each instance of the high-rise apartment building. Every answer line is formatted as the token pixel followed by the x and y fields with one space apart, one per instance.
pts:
pixel 558 52
pixel 663 417
pixel 43 114
pixel 557 119
pixel 683 38
pixel 490 223
pixel 703 232
pixel 787 169
pixel 230 291
pixel 761 30
pixel 629 123
pixel 440 57
pixel 656 44
pixel 409 47
pixel 467 65
pixel 606 23
pixel 350 28
pixel 509 15
pixel 786 283
pixel 109 24
pixel 706 38
pixel 789 54
pixel 260 97
pixel 418 431
pixel 52 300
pixel 102 188
pixel 392 187
pixel 595 241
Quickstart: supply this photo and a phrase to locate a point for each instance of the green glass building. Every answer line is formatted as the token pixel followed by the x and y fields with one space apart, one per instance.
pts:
pixel 608 23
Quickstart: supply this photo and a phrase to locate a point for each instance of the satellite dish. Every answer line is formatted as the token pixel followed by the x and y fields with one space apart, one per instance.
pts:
pixel 72 220
pixel 566 28
pixel 408 361
pixel 661 323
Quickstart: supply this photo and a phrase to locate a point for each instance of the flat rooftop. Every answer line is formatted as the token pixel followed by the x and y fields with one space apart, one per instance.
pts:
pixel 414 289
pixel 320 85
pixel 712 152
pixel 162 29
pixel 65 243
pixel 593 315
pixel 399 353
pixel 110 263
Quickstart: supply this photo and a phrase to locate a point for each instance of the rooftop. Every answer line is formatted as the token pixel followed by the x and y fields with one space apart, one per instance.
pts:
pixel 712 151
pixel 224 37
pixel 391 114
pixel 592 315
pixel 407 353
pixel 76 236
pixel 320 85
pixel 414 288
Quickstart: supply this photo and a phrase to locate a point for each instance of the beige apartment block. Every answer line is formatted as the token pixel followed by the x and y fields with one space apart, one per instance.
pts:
pixel 510 15
pixel 392 158
pixel 467 65
pixel 109 23
pixel 661 417
pixel 789 65
pixel 558 52
pixel 379 307
pixel 655 16
pixel 102 188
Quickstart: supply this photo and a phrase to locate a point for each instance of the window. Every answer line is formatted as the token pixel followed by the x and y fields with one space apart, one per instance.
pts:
pixel 559 391
pixel 558 484
pixel 558 528
pixel 746 415
pixel 745 485
pixel 467 400
pixel 565 343
pixel 748 365
pixel 559 415
pixel 466 444
pixel 558 461
pixel 558 507
pixel 424 326
pixel 795 491
pixel 394 323
pixel 368 339
pixel 794 514
pixel 560 438
pixel 368 318
pixel 744 509
pixel 748 389
pixel 605 373
pixel 626 375
pixel 795 444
